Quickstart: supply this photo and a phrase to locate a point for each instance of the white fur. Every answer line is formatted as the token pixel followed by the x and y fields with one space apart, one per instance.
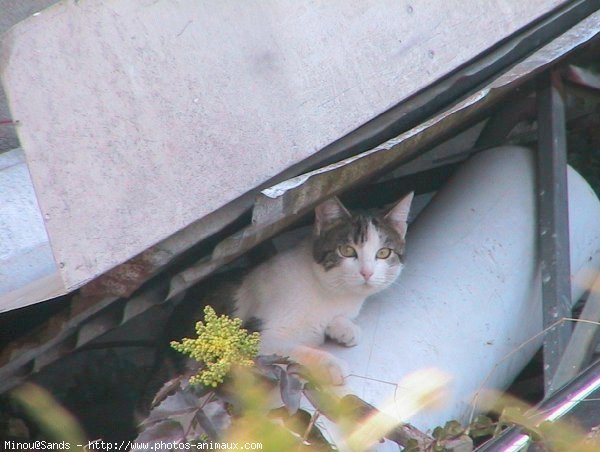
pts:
pixel 300 303
pixel 398 215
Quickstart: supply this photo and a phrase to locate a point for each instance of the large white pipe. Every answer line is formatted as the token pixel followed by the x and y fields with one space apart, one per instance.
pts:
pixel 471 292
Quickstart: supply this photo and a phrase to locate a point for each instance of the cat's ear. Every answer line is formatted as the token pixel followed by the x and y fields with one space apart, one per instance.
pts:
pixel 398 215
pixel 328 213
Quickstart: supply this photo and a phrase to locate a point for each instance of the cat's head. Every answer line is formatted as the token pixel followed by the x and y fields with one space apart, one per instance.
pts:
pixel 359 253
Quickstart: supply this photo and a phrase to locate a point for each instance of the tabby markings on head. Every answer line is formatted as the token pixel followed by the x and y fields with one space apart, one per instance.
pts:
pixel 355 232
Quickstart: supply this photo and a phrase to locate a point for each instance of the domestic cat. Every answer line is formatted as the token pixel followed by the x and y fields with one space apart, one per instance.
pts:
pixel 314 290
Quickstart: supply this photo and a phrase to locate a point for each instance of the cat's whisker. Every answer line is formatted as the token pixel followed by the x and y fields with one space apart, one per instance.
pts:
pixel 396 284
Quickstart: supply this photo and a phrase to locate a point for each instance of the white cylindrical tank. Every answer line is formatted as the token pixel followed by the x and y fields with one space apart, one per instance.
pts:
pixel 470 293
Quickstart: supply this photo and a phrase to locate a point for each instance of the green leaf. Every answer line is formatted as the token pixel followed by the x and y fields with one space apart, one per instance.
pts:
pixel 291 391
pixel 169 388
pixel 439 433
pixel 481 426
pixel 482 421
pixel 269 360
pixel 271 372
pixel 206 424
pixel 453 428
pixel 412 445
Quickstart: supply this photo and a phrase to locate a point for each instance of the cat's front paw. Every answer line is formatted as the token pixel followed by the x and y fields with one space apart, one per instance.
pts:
pixel 332 370
pixel 344 331
pixel 322 365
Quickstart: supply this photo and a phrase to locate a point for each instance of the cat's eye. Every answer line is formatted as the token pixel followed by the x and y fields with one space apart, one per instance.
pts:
pixel 384 253
pixel 347 251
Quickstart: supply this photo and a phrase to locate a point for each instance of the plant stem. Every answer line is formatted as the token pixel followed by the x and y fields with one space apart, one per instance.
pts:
pixel 311 424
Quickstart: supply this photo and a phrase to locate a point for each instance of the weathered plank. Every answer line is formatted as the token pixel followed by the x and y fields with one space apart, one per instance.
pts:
pixel 141 117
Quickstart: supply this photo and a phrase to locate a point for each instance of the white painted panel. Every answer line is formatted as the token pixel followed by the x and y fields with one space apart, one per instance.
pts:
pixel 140 116
pixel 25 254
pixel 469 297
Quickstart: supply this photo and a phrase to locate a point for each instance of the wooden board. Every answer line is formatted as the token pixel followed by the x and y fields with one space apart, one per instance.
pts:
pixel 139 117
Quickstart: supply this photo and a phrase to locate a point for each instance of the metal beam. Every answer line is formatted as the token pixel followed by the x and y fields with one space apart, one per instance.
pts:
pixel 553 222
pixel 568 400
pixel 583 340
pixel 497 129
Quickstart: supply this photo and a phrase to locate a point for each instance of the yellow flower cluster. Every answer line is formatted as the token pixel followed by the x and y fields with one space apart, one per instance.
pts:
pixel 221 344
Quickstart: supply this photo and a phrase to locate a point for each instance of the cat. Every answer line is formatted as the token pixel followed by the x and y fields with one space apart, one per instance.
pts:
pixel 313 291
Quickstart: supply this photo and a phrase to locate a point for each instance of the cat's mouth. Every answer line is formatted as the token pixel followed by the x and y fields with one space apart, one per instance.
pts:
pixel 373 285
pixel 370 285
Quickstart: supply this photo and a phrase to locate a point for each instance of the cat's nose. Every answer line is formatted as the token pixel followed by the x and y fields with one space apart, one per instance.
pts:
pixel 366 274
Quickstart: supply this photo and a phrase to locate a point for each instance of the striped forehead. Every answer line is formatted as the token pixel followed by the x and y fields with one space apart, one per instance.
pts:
pixel 365 232
pixel 372 243
pixel 361 227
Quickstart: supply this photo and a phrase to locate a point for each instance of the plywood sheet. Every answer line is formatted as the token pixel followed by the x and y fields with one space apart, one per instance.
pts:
pixel 138 117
